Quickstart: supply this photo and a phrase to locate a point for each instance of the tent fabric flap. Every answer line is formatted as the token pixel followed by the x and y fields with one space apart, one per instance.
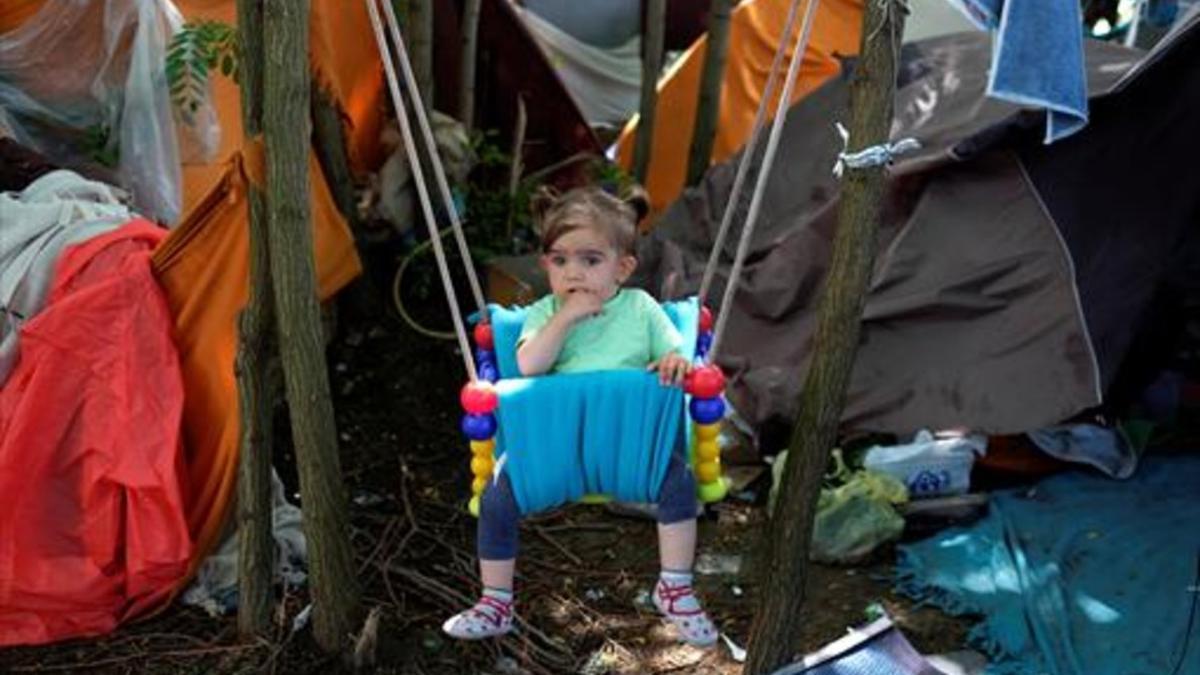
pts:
pixel 92 530
pixel 755 30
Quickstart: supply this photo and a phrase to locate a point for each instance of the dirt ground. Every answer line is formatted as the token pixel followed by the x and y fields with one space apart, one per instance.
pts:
pixel 584 573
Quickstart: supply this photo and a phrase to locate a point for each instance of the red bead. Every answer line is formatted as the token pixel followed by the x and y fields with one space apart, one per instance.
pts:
pixel 706 319
pixel 705 382
pixel 478 398
pixel 483 336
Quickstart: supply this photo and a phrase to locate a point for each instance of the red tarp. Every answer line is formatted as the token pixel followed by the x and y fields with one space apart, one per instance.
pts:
pixel 92 527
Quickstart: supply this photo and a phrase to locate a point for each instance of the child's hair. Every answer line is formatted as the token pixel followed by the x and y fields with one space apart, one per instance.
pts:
pixel 555 215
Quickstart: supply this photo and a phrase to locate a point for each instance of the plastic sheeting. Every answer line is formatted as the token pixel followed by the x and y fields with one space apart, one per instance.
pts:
pixel 84 83
pixel 92 527
pixel 606 82
pixel 55 211
pixel 1080 575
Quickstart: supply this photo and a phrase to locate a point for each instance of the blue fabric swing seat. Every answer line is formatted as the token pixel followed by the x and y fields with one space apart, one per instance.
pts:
pixel 564 436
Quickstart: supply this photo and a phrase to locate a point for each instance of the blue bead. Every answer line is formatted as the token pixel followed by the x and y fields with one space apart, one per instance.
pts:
pixel 479 427
pixel 707 410
pixel 483 356
pixel 704 343
pixel 488 371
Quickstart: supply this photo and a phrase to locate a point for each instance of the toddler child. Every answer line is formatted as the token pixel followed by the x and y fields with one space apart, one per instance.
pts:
pixel 589 322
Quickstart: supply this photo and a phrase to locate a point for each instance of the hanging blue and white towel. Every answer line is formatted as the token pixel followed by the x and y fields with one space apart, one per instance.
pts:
pixel 1037 57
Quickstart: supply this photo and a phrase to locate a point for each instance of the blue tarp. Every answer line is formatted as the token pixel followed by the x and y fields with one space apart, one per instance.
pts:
pixel 1080 575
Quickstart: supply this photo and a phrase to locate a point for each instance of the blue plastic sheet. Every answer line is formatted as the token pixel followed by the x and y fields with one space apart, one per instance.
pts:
pixel 1081 575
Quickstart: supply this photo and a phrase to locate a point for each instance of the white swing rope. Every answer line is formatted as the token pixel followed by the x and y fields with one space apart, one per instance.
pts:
pixel 419 175
pixel 747 157
pixel 760 183
pixel 435 158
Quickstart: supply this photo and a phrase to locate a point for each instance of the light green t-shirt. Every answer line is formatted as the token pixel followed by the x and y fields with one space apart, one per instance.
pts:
pixel 630 332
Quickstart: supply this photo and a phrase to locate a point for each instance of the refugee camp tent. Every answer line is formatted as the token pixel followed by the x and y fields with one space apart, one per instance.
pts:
pixel 755 29
pixel 66 560
pixel 595 46
pixel 1012 276
pixel 510 66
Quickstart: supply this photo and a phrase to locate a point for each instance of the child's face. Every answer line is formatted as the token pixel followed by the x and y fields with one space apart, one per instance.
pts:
pixel 586 260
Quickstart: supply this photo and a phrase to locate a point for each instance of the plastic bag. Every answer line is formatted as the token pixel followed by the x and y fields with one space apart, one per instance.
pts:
pixel 929 466
pixel 84 83
pixel 853 517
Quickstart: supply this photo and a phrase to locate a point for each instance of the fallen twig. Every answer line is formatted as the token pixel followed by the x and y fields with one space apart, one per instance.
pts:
pixel 180 653
pixel 545 536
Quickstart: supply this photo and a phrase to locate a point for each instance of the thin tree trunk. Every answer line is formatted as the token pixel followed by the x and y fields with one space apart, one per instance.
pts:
pixel 517 167
pixel 329 137
pixel 420 41
pixel 466 73
pixel 652 48
pixel 776 628
pixel 708 107
pixel 256 548
pixel 286 123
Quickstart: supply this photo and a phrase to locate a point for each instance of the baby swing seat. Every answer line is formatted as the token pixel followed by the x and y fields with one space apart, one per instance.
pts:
pixel 565 437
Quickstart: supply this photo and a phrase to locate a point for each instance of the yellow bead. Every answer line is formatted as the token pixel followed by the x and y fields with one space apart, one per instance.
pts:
pixel 707 432
pixel 707 472
pixel 481 466
pixel 473 506
pixel 485 448
pixel 707 451
pixel 478 484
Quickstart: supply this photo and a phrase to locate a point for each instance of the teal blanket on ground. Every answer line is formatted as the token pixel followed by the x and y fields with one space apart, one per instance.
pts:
pixel 1081 575
pixel 607 432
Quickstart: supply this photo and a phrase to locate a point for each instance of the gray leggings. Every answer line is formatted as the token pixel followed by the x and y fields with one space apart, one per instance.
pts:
pixel 498 515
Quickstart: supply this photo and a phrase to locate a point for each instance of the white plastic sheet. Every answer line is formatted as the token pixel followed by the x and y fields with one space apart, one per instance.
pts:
pixel 83 82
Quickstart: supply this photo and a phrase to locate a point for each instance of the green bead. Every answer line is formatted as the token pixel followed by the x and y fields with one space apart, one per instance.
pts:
pixel 712 492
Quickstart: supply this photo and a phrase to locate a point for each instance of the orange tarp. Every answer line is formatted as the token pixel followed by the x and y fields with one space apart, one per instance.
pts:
pixel 202 265
pixel 13 13
pixel 755 30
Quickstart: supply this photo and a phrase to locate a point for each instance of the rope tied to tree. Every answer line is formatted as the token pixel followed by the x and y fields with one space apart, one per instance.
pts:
pixel 875 155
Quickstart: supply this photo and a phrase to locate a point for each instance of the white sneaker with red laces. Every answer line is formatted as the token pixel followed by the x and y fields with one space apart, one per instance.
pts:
pixel 490 617
pixel 678 603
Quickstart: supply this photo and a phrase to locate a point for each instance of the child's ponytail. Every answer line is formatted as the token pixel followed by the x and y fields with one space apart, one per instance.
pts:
pixel 636 197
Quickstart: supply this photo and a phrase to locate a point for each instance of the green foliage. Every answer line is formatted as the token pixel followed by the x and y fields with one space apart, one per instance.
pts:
pixel 497 222
pixel 100 145
pixel 611 177
pixel 195 51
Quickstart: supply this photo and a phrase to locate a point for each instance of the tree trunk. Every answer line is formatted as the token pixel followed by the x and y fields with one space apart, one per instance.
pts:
pixel 776 629
pixel 652 50
pixel 256 547
pixel 286 123
pixel 708 107
pixel 466 73
pixel 329 136
pixel 420 41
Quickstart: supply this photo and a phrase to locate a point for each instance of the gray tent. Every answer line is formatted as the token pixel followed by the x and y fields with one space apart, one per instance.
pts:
pixel 1012 276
